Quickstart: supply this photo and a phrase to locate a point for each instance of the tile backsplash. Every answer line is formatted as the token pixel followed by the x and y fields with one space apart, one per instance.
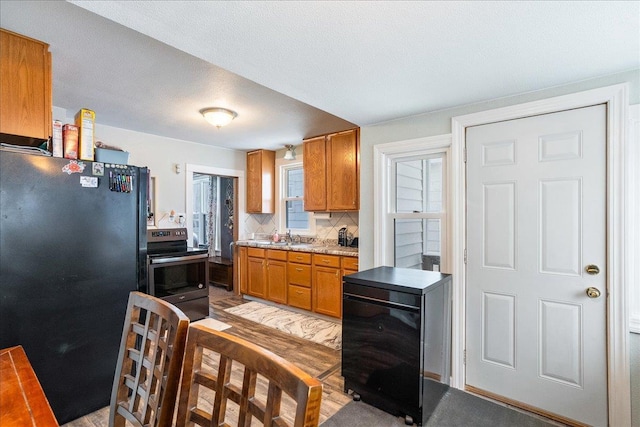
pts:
pixel 326 228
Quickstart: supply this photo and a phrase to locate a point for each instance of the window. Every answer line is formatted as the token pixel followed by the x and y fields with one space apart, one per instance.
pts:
pixel 293 217
pixel 417 215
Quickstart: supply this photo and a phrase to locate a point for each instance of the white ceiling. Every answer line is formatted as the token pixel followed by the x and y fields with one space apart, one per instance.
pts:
pixel 298 69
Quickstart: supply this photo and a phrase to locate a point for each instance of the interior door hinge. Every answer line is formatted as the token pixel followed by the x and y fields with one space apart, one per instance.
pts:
pixel 464 154
pixel 464 357
pixel 465 256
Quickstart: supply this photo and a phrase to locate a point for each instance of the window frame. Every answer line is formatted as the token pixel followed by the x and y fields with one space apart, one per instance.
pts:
pixel 392 215
pixel 282 166
pixel 384 155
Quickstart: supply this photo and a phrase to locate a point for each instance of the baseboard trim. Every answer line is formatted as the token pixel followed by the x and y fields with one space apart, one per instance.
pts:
pixel 524 406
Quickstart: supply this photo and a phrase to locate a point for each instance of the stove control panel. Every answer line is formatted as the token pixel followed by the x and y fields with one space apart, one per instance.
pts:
pixel 166 234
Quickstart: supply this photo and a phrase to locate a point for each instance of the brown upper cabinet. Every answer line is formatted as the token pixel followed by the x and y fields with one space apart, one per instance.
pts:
pixel 25 87
pixel 332 172
pixel 261 165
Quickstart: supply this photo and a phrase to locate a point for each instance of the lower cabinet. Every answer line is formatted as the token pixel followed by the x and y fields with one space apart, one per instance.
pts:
pixel 257 269
pixel 299 279
pixel 327 285
pixel 277 276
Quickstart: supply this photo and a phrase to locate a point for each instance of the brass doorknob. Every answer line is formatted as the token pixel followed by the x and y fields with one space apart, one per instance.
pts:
pixel 592 269
pixel 593 292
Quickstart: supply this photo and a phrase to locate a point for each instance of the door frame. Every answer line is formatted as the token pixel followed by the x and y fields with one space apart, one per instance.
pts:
pixel 616 99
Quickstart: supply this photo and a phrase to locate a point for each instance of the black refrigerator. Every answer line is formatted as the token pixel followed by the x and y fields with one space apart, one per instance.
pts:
pixel 72 247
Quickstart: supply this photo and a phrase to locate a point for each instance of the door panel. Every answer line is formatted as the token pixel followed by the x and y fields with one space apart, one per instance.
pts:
pixel 499 216
pixel 498 330
pixel 536 216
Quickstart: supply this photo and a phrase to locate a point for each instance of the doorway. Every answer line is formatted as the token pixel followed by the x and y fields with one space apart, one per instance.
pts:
pixel 213 218
pixel 238 202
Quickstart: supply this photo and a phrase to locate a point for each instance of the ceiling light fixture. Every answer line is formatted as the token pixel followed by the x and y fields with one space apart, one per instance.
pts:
pixel 290 154
pixel 218 117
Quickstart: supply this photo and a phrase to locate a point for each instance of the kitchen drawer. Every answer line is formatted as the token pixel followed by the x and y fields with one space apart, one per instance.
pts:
pixel 300 297
pixel 255 252
pixel 299 274
pixel 326 260
pixel 277 254
pixel 300 257
pixel 350 263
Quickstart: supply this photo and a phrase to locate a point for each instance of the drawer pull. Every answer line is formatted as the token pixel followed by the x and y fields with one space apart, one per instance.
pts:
pixel 298 269
pixel 326 261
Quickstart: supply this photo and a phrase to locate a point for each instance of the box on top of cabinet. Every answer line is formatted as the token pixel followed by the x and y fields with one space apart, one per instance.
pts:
pixel 70 141
pixel 85 120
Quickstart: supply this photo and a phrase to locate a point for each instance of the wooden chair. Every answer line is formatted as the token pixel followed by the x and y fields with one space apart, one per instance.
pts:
pixel 147 376
pixel 205 390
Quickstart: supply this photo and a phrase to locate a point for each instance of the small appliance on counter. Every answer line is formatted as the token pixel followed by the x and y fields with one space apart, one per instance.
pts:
pixel 342 237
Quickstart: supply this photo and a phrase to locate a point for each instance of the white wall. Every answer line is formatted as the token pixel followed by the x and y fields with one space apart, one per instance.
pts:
pixel 160 155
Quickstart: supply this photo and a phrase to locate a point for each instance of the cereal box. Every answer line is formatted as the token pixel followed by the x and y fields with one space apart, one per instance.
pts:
pixel 70 141
pixel 56 139
pixel 85 120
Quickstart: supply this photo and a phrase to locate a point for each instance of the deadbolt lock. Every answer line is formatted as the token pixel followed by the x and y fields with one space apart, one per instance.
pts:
pixel 593 292
pixel 592 269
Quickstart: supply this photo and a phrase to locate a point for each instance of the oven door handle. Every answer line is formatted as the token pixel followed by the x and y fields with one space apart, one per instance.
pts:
pixel 177 259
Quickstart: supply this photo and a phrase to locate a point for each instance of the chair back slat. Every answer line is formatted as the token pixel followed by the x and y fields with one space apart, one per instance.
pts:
pixel 254 378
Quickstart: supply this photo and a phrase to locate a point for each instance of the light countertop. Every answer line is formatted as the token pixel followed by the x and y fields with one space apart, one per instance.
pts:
pixel 301 247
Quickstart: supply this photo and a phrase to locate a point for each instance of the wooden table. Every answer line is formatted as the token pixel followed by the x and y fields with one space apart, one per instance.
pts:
pixel 22 401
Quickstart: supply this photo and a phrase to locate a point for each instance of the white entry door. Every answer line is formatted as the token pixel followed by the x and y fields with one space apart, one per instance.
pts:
pixel 536 247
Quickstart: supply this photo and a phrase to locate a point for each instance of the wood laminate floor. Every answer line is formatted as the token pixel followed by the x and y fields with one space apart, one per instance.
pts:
pixel 318 360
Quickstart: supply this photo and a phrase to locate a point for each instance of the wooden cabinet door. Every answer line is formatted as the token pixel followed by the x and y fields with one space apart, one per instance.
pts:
pixel 25 86
pixel 277 281
pixel 260 181
pixel 315 174
pixel 327 291
pixel 242 269
pixel 256 268
pixel 343 187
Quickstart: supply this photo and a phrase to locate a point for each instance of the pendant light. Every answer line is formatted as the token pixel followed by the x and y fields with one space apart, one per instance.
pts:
pixel 290 154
